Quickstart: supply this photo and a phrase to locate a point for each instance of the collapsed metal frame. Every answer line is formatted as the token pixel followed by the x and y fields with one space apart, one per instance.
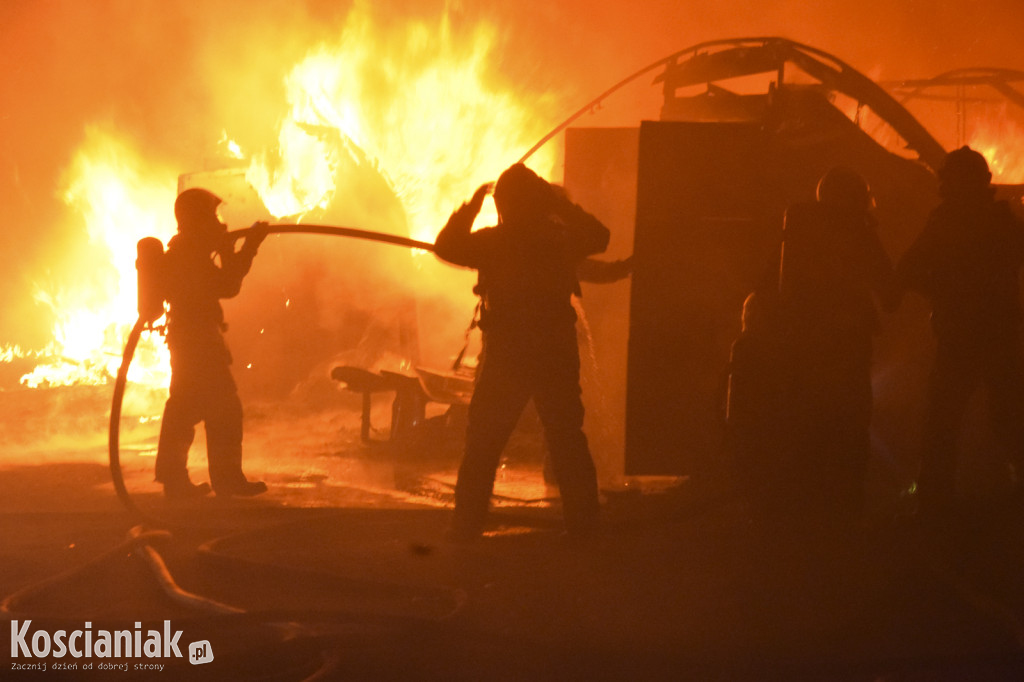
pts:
pixel 999 80
pixel 707 62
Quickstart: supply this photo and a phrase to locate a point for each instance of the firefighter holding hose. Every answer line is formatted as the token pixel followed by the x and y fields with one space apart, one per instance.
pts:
pixel 202 388
pixel 527 268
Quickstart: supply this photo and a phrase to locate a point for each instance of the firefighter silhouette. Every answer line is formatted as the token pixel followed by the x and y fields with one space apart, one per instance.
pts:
pixel 967 262
pixel 202 388
pixel 760 406
pixel 801 400
pixel 527 268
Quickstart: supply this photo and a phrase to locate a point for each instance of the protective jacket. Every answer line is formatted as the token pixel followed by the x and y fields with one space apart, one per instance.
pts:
pixel 527 271
pixel 193 286
pixel 967 262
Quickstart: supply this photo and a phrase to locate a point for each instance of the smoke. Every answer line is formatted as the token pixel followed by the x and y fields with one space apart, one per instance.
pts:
pixel 172 77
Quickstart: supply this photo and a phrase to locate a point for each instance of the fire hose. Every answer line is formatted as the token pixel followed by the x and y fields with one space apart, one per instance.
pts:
pixel 147 318
pixel 148 314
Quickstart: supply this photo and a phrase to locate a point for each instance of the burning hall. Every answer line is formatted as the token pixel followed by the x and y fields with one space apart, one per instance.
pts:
pixel 465 339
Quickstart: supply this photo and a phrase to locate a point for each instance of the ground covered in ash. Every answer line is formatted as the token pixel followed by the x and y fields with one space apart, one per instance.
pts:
pixel 343 571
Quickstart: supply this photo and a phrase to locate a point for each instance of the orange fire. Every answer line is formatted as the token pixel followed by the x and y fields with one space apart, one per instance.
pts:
pixel 120 198
pixel 420 103
pixel 425 106
pixel 1001 141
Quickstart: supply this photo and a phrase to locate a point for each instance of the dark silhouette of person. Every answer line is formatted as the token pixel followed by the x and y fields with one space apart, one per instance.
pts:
pixel 967 262
pixel 834 274
pixel 760 406
pixel 526 278
pixel 202 388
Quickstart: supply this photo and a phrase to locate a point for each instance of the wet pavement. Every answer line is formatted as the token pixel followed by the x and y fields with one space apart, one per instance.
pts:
pixel 342 571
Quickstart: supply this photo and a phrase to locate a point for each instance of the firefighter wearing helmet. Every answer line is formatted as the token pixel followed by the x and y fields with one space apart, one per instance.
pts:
pixel 202 388
pixel 834 276
pixel 967 263
pixel 527 269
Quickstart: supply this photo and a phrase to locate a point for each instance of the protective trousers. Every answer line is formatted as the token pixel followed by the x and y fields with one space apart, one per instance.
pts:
pixel 516 367
pixel 202 390
pixel 833 420
pixel 992 361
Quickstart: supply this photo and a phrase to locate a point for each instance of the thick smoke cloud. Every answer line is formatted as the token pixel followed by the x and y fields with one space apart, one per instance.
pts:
pixel 173 75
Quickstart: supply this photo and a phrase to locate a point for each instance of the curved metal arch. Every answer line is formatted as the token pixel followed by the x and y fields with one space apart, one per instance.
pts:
pixel 763 54
pixel 998 79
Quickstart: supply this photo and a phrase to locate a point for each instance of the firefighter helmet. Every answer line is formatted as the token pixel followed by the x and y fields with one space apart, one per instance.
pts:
pixel 519 192
pixel 846 188
pixel 193 207
pixel 963 168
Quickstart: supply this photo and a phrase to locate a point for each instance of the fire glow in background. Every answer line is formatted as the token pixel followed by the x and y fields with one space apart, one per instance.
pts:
pixel 384 115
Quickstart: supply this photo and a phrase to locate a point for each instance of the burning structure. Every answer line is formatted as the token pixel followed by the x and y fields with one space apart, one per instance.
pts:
pixel 746 128
pixel 767 115
pixel 364 117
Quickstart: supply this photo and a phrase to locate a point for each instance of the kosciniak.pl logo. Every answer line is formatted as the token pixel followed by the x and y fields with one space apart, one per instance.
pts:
pixel 36 646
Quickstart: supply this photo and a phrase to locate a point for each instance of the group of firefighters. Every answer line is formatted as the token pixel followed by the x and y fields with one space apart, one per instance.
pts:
pixel 800 397
pixel 801 394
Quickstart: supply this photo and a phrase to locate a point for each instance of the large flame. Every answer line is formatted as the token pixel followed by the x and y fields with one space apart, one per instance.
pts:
pixel 1001 141
pixel 120 198
pixel 421 102
pixel 424 103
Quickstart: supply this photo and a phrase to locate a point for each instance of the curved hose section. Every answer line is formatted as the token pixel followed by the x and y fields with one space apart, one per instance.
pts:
pixel 352 232
pixel 139 542
pixel 115 423
pixel 140 325
pixel 137 535
pixel 596 101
